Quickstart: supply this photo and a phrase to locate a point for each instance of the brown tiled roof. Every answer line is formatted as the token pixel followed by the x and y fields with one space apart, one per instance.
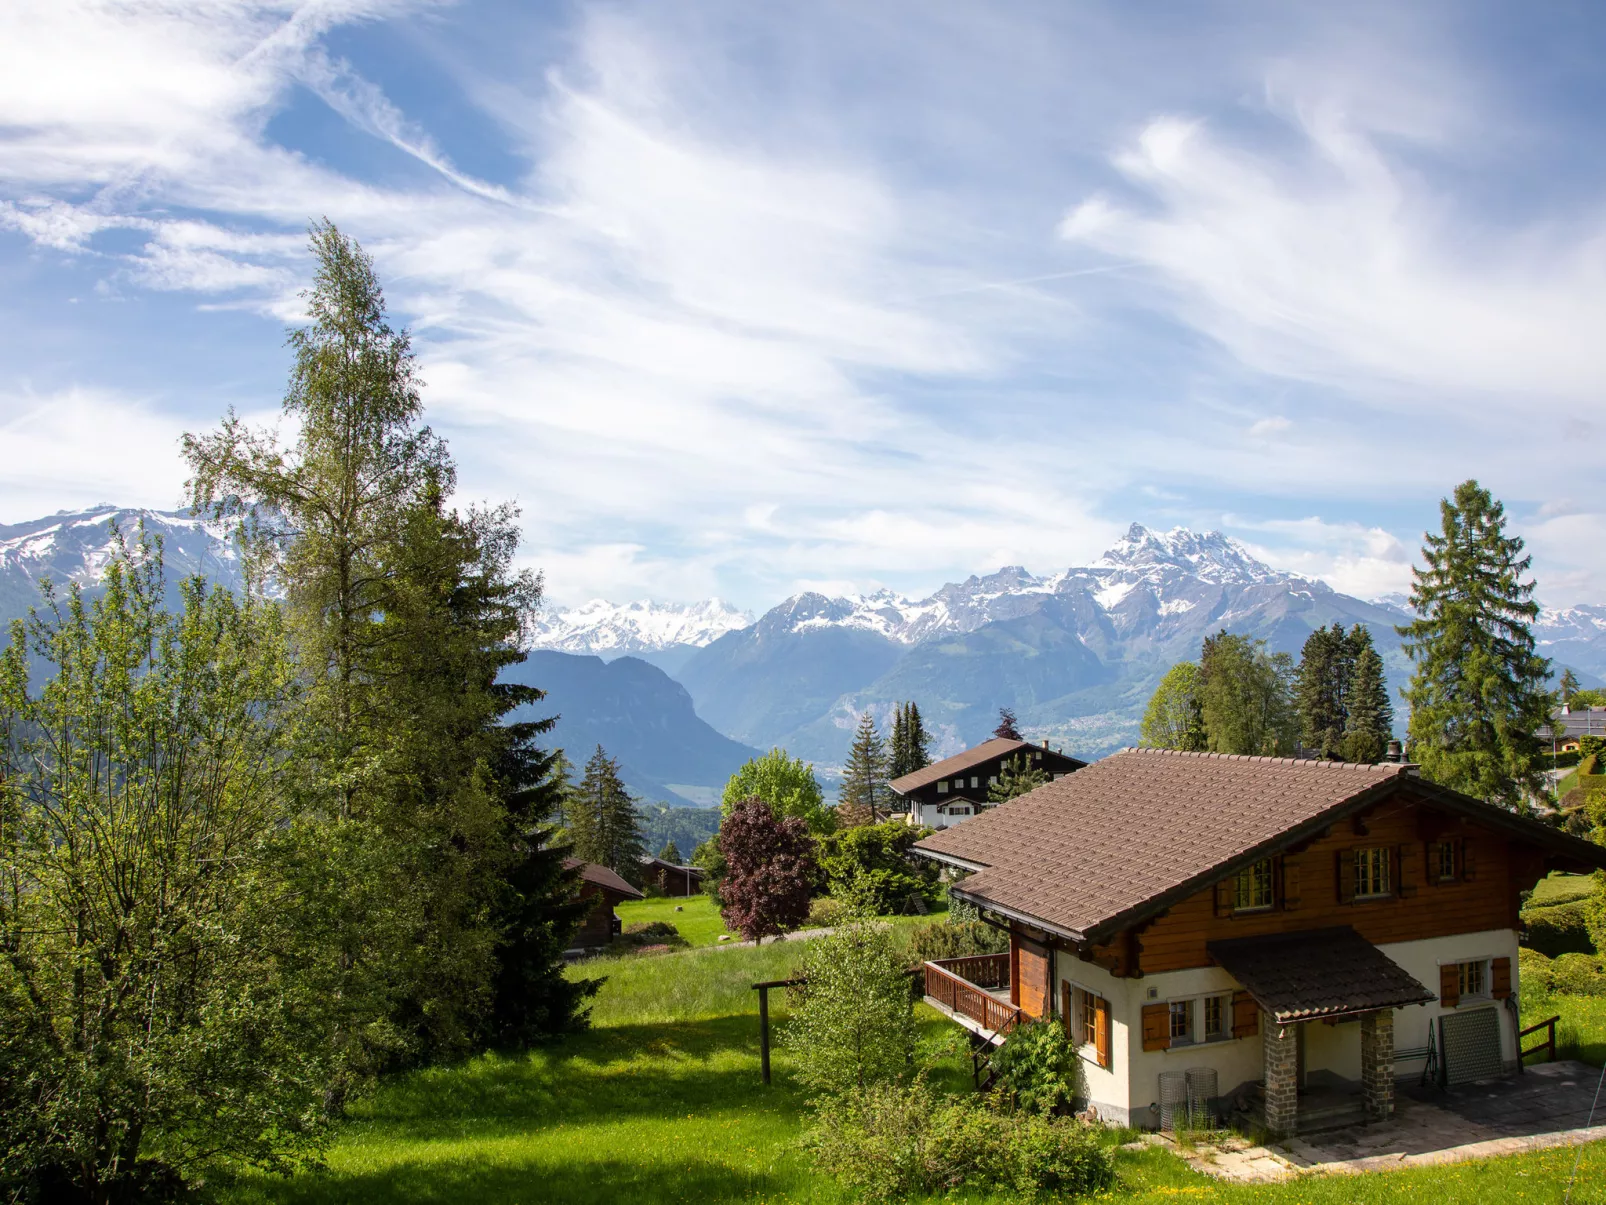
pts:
pixel 1081 853
pixel 1124 838
pixel 994 747
pixel 601 876
pixel 1318 973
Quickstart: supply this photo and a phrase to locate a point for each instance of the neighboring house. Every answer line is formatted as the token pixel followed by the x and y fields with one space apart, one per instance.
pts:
pixel 1314 926
pixel 670 878
pixel 1568 724
pixel 600 925
pixel 955 788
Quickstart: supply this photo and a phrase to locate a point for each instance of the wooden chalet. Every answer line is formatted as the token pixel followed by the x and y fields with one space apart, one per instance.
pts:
pixel 608 889
pixel 1302 932
pixel 672 878
pixel 955 788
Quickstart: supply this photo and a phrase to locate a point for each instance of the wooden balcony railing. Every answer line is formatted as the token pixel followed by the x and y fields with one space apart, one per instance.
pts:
pixel 1548 1045
pixel 960 985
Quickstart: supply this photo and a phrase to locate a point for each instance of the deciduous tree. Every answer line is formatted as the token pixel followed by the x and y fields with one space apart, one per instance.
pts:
pixel 1173 718
pixel 852 1021
pixel 787 784
pixel 1007 729
pixel 770 870
pixel 1478 693
pixel 870 867
pixel 1245 697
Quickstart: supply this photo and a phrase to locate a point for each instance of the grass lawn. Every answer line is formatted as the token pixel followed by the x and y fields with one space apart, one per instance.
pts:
pixel 661 1102
pixel 1558 888
pixel 1581 1032
pixel 698 921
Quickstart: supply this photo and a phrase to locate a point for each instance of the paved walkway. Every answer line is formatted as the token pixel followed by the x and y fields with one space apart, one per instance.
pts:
pixel 1549 1106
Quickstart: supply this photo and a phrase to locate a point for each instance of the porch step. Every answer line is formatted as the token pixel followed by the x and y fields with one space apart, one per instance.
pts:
pixel 1318 1110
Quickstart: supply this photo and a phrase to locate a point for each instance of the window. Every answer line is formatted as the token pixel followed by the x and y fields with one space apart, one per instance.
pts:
pixel 1371 872
pixel 992 780
pixel 959 784
pixel 942 787
pixel 1181 1022
pixel 1474 979
pixel 1217 1018
pixel 1446 861
pixel 974 783
pixel 1085 1024
pixel 1254 887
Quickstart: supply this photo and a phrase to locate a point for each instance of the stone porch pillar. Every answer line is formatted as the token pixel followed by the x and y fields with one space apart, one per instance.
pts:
pixel 1377 1064
pixel 1282 1075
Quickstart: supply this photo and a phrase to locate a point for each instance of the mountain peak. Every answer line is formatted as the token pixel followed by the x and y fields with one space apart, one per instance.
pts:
pixel 1211 556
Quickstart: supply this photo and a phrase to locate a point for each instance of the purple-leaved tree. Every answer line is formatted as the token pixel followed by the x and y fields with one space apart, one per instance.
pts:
pixel 770 870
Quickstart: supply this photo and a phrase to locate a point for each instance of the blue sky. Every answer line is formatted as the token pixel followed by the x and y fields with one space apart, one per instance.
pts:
pixel 744 298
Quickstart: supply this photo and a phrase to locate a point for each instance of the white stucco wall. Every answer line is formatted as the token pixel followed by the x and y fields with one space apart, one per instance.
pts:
pixel 1130 1090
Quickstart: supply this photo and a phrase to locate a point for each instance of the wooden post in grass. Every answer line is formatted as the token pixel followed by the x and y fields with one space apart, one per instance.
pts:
pixel 763 990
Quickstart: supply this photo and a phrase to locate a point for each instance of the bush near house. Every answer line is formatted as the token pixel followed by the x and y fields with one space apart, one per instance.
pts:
pixel 963 939
pixel 1559 929
pixel 870 867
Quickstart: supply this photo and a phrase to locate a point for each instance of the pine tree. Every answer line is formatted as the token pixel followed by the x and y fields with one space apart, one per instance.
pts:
pixel 1016 776
pixel 1478 692
pixel 898 748
pixel 1569 686
pixel 1006 729
pixel 861 798
pixel 604 826
pixel 562 776
pixel 670 853
pixel 1370 722
pixel 1321 690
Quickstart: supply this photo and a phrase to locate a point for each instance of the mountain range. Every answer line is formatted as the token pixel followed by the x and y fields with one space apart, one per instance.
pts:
pixel 684 693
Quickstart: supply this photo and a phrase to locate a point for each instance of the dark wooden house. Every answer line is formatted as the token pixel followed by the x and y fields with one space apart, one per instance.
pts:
pixel 607 889
pixel 955 788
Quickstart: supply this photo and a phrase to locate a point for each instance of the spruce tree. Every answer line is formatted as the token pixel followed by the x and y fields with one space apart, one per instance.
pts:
pixel 861 798
pixel 1370 722
pixel 604 826
pixel 670 853
pixel 919 741
pixel 1321 690
pixel 1478 693
pixel 898 748
pixel 1569 686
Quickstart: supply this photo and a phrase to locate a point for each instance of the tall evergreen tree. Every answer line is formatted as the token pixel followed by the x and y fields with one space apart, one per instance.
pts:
pixel 862 796
pixel 1569 686
pixel 911 745
pixel 1246 697
pixel 1370 722
pixel 1007 728
pixel 1321 690
pixel 1478 693
pixel 1173 718
pixel 671 853
pixel 604 826
pixel 562 776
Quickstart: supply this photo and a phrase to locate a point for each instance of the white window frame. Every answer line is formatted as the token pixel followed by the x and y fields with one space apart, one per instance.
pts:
pixel 1196 1005
pixel 975 782
pixel 1186 1003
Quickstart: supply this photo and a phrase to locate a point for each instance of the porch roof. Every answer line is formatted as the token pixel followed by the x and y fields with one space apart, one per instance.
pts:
pixel 1318 973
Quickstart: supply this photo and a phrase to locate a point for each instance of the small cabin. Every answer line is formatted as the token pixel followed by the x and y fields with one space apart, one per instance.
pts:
pixel 608 889
pixel 956 788
pixel 671 878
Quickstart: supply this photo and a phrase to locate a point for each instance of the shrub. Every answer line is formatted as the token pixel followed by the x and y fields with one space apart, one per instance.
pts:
pixel 869 867
pixel 959 911
pixel 826 913
pixel 897 1140
pixel 943 940
pixel 1533 970
pixel 1578 975
pixel 852 1022
pixel 1558 929
pixel 655 934
pixel 1038 1068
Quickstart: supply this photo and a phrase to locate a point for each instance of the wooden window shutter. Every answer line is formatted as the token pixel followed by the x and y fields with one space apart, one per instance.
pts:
pixel 1245 1015
pixel 1403 887
pixel 1450 985
pixel 1226 896
pixel 1290 885
pixel 1500 978
pixel 1344 875
pixel 1463 859
pixel 1101 1030
pixel 1157 1027
pixel 1067 1017
pixel 1430 862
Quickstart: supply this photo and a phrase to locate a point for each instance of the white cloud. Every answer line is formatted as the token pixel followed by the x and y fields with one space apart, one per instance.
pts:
pixel 1367 562
pixel 1340 264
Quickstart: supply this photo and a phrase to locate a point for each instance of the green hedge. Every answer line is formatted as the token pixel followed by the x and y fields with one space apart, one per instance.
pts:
pixel 1558 929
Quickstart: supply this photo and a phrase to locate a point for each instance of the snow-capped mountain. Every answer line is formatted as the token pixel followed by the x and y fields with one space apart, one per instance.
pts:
pixel 75 546
pixel 611 629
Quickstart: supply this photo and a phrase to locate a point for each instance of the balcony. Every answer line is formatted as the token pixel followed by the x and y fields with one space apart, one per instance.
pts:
pixel 974 992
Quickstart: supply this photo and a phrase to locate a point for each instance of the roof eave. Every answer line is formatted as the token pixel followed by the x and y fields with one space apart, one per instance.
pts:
pixel 950 860
pixel 1025 918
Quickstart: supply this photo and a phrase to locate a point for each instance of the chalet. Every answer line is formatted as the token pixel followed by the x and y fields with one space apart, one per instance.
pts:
pixel 1301 931
pixel 608 889
pixel 1568 725
pixel 672 878
pixel 955 788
